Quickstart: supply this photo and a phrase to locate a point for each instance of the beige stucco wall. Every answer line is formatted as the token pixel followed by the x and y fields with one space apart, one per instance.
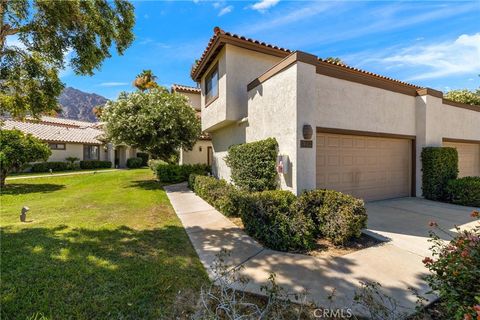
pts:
pixel 222 139
pixel 272 113
pixel 194 99
pixel 436 121
pixel 280 106
pixel 195 156
pixel 75 150
pixel 71 150
pixel 236 67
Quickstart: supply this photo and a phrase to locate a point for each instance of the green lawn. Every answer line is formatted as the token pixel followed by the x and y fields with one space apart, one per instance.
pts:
pixel 95 246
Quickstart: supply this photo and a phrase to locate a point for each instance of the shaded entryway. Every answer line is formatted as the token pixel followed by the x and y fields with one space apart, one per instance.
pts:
pixel 404 222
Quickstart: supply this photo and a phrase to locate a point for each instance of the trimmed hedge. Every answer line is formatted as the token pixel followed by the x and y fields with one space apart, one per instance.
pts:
pixel 464 191
pixel 225 197
pixel 253 165
pixel 95 164
pixel 174 173
pixel 268 217
pixel 53 165
pixel 133 163
pixel 338 217
pixel 144 157
pixel 439 165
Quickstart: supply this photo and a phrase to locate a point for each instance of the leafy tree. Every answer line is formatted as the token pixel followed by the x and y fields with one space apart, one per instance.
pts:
pixel 464 96
pixel 156 121
pixel 46 31
pixel 17 150
pixel 145 80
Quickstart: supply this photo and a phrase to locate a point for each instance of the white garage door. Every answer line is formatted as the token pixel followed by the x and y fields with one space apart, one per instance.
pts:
pixel 366 167
pixel 468 158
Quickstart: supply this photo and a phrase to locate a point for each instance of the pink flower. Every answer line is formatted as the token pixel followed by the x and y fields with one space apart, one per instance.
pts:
pixel 427 260
pixel 464 253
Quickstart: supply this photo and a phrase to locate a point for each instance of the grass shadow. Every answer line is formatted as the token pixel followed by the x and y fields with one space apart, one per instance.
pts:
pixel 146 184
pixel 24 188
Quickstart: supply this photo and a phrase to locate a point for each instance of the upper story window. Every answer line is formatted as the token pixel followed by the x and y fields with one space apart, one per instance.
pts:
pixel 211 85
pixel 57 146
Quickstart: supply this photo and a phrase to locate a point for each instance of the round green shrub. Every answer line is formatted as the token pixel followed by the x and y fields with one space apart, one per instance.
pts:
pixel 253 165
pixel 338 217
pixel 464 191
pixel 268 217
pixel 133 163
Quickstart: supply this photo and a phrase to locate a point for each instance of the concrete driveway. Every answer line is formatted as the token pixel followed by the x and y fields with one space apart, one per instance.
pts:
pixel 404 222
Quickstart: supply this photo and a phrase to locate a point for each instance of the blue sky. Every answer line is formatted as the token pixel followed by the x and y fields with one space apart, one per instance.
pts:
pixel 434 43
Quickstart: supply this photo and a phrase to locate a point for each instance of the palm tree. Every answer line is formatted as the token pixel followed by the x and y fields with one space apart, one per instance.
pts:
pixel 145 80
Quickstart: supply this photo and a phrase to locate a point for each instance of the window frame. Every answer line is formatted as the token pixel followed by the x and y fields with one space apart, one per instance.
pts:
pixel 214 69
pixel 56 144
pixel 85 146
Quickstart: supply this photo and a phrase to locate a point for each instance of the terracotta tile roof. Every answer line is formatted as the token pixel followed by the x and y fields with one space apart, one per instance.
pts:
pixel 367 72
pixel 220 33
pixel 68 122
pixel 58 131
pixel 182 88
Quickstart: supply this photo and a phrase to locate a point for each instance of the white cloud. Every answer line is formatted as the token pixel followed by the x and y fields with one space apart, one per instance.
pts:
pixel 457 57
pixel 113 84
pixel 264 5
pixel 225 10
pixel 291 17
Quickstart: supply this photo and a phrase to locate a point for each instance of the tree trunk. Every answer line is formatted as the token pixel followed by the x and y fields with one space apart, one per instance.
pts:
pixel 3 175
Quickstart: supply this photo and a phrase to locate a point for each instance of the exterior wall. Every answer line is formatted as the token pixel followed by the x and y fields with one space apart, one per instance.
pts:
pixel 215 114
pixel 435 121
pixel 222 139
pixel 272 113
pixel 298 95
pixel 195 156
pixel 236 68
pixel 194 99
pixel 76 150
pixel 71 150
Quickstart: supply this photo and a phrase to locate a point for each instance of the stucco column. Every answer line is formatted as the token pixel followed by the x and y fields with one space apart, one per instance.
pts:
pixel 428 131
pixel 111 154
pixel 307 104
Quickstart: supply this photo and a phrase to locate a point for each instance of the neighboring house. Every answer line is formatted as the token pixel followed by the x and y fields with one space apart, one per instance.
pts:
pixel 367 130
pixel 72 138
pixel 202 151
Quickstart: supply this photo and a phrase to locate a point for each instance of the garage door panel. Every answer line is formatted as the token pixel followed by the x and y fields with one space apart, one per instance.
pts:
pixel 468 158
pixel 371 168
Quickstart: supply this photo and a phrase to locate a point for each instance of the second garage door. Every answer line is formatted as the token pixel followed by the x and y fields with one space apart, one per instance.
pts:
pixel 468 158
pixel 371 168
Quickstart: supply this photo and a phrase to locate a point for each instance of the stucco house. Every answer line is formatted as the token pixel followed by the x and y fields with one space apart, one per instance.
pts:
pixel 72 138
pixel 202 151
pixel 337 127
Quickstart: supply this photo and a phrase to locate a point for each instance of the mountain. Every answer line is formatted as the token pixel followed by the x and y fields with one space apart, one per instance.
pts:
pixel 78 105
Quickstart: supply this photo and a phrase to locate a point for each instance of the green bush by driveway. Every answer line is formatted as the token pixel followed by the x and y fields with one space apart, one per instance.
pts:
pixel 337 216
pixel 269 218
pixel 465 191
pixel 282 221
pixel 439 165
pixel 95 246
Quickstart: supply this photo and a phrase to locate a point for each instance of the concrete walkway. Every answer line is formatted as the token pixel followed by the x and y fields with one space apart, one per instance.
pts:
pixel 59 174
pixel 395 268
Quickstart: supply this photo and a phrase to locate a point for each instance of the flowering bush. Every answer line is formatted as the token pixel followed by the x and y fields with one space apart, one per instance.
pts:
pixel 455 268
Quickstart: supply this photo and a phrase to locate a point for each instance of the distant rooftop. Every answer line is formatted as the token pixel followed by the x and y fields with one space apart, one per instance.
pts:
pixel 182 88
pixel 53 129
